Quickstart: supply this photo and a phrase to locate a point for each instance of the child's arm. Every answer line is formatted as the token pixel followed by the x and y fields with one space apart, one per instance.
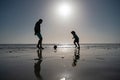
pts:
pixel 73 37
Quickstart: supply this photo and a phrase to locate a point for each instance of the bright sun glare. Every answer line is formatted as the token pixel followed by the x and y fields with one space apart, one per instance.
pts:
pixel 64 9
pixel 62 79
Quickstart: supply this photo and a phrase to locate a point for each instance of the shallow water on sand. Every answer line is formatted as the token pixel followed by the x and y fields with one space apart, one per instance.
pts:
pixel 90 62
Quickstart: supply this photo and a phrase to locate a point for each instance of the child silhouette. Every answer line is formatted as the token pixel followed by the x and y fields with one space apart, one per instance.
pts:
pixel 76 39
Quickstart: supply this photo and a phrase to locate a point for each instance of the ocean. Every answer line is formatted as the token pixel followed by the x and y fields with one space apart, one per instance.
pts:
pixel 90 62
pixel 3 46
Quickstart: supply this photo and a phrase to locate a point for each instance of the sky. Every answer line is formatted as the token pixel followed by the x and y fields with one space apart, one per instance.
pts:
pixel 94 21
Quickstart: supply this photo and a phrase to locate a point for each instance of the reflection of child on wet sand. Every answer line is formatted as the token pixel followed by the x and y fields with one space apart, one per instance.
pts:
pixel 76 57
pixel 76 39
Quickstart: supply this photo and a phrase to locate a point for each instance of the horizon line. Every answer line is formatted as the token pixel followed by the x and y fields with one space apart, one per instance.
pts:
pixel 55 43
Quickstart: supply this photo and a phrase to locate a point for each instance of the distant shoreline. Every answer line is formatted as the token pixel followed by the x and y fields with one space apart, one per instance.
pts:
pixel 66 44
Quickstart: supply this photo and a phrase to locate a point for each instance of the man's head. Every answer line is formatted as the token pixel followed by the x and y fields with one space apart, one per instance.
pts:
pixel 40 21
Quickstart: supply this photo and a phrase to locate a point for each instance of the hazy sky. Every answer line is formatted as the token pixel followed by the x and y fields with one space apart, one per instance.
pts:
pixel 95 21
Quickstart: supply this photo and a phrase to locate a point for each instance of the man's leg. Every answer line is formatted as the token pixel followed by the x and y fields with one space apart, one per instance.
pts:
pixel 38 44
pixel 41 42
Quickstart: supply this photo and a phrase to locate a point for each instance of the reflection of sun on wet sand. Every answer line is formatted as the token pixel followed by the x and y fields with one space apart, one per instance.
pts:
pixel 25 62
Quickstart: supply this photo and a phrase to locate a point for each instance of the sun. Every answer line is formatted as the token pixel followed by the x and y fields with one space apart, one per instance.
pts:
pixel 64 9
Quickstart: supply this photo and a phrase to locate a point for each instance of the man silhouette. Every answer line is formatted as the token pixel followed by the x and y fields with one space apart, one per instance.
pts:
pixel 37 30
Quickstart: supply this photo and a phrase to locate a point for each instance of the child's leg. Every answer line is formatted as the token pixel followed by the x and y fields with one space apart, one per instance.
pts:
pixel 78 44
pixel 75 44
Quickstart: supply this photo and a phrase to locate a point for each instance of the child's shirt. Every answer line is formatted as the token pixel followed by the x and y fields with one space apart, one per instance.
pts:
pixel 75 36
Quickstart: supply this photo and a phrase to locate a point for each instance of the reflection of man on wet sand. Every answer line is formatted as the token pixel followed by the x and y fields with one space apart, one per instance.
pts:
pixel 76 57
pixel 37 67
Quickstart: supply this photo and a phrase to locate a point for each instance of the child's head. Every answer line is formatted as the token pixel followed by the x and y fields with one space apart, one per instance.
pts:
pixel 73 32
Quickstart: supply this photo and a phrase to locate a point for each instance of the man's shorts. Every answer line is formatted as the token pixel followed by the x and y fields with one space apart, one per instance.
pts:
pixel 39 35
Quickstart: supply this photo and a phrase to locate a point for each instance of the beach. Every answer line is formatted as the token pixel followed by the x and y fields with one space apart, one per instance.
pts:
pixel 90 62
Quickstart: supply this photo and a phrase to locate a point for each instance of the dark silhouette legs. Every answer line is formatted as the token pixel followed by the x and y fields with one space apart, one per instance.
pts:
pixel 39 45
pixel 76 44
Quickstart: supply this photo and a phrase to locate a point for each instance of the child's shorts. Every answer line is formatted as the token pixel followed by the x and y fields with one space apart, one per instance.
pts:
pixel 76 40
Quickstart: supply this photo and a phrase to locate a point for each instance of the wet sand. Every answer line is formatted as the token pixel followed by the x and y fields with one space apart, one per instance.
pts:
pixel 64 63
